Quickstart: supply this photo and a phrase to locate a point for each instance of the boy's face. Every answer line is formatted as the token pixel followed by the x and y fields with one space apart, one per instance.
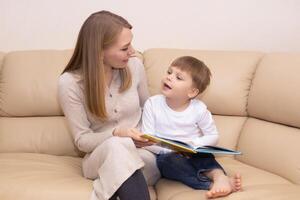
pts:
pixel 178 84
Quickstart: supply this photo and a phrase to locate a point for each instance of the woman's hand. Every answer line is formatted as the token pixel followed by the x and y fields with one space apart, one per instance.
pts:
pixel 136 135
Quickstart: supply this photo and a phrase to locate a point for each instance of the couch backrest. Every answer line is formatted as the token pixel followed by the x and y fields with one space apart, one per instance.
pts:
pixel 271 136
pixel 29 83
pixel 275 92
pixel 232 73
pixel 31 119
pixel 1 59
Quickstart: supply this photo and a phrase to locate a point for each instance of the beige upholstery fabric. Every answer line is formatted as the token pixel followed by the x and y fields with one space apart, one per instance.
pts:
pixel 274 192
pixel 229 128
pixel 166 189
pixel 271 147
pixel 1 59
pixel 232 73
pixel 275 94
pixel 29 82
pixel 37 176
pixel 29 176
pixel 49 135
pixel 251 175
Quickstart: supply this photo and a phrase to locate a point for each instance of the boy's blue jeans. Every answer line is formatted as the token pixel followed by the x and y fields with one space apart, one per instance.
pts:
pixel 188 170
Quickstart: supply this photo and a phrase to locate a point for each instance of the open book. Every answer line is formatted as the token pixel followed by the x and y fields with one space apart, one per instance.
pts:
pixel 183 147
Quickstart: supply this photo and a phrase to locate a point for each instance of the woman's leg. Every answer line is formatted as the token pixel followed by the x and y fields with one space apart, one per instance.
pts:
pixel 111 164
pixel 150 169
pixel 135 187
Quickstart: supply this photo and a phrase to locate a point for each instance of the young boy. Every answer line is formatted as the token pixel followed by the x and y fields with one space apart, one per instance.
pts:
pixel 176 114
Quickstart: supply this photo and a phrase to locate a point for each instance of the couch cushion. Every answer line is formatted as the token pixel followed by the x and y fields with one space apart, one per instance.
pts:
pixel 275 93
pixel 30 176
pixel 29 82
pixel 38 176
pixel 231 76
pixel 272 147
pixel 1 61
pixel 229 128
pixel 273 192
pixel 49 135
pixel 251 177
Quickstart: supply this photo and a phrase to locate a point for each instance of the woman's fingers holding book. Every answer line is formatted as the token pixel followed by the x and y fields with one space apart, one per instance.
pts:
pixel 137 135
pixel 139 140
pixel 141 144
pixel 134 134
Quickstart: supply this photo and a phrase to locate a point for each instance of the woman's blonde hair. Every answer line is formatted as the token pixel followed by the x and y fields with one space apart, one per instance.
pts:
pixel 98 32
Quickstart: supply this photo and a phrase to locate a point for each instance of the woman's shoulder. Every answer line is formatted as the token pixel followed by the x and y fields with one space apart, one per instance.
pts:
pixel 69 86
pixel 135 61
pixel 69 80
pixel 65 79
pixel 135 64
pixel 69 77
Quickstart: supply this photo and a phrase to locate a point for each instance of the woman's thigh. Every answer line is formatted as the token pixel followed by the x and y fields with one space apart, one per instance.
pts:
pixel 110 154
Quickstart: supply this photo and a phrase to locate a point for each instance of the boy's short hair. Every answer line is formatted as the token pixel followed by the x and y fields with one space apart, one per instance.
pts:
pixel 199 71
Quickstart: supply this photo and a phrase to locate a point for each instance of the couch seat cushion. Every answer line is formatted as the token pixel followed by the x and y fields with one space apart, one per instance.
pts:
pixel 32 176
pixel 270 192
pixel 255 182
pixel 40 176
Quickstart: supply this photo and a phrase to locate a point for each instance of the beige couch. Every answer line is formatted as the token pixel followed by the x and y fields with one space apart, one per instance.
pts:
pixel 254 96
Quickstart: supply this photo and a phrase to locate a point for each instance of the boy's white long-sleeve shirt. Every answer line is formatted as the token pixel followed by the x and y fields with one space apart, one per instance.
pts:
pixel 194 125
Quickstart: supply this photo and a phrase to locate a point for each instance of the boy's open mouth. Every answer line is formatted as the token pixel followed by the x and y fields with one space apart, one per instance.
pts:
pixel 167 86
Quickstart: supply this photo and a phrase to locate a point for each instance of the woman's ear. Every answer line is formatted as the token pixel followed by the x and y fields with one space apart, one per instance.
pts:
pixel 193 93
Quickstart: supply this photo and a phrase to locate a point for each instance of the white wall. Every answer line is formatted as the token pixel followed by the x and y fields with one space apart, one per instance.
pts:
pixel 259 25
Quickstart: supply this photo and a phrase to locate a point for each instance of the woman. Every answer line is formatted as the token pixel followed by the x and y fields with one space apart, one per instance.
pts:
pixel 101 91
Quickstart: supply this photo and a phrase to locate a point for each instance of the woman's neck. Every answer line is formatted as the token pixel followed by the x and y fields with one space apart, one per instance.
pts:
pixel 178 104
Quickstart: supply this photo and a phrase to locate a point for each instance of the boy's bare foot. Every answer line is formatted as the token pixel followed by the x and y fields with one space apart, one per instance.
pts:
pixel 236 182
pixel 224 185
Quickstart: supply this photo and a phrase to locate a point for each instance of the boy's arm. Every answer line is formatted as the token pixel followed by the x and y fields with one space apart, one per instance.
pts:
pixel 148 126
pixel 148 122
pixel 208 129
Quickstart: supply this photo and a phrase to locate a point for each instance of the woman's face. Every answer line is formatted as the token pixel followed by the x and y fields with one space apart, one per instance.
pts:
pixel 118 54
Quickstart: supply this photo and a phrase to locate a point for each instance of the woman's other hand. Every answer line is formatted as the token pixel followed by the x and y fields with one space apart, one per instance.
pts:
pixel 136 135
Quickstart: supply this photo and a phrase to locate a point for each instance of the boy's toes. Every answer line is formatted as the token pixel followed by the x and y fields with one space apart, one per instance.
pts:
pixel 209 194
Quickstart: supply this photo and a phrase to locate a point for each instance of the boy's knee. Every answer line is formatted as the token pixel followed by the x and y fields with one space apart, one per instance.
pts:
pixel 171 159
